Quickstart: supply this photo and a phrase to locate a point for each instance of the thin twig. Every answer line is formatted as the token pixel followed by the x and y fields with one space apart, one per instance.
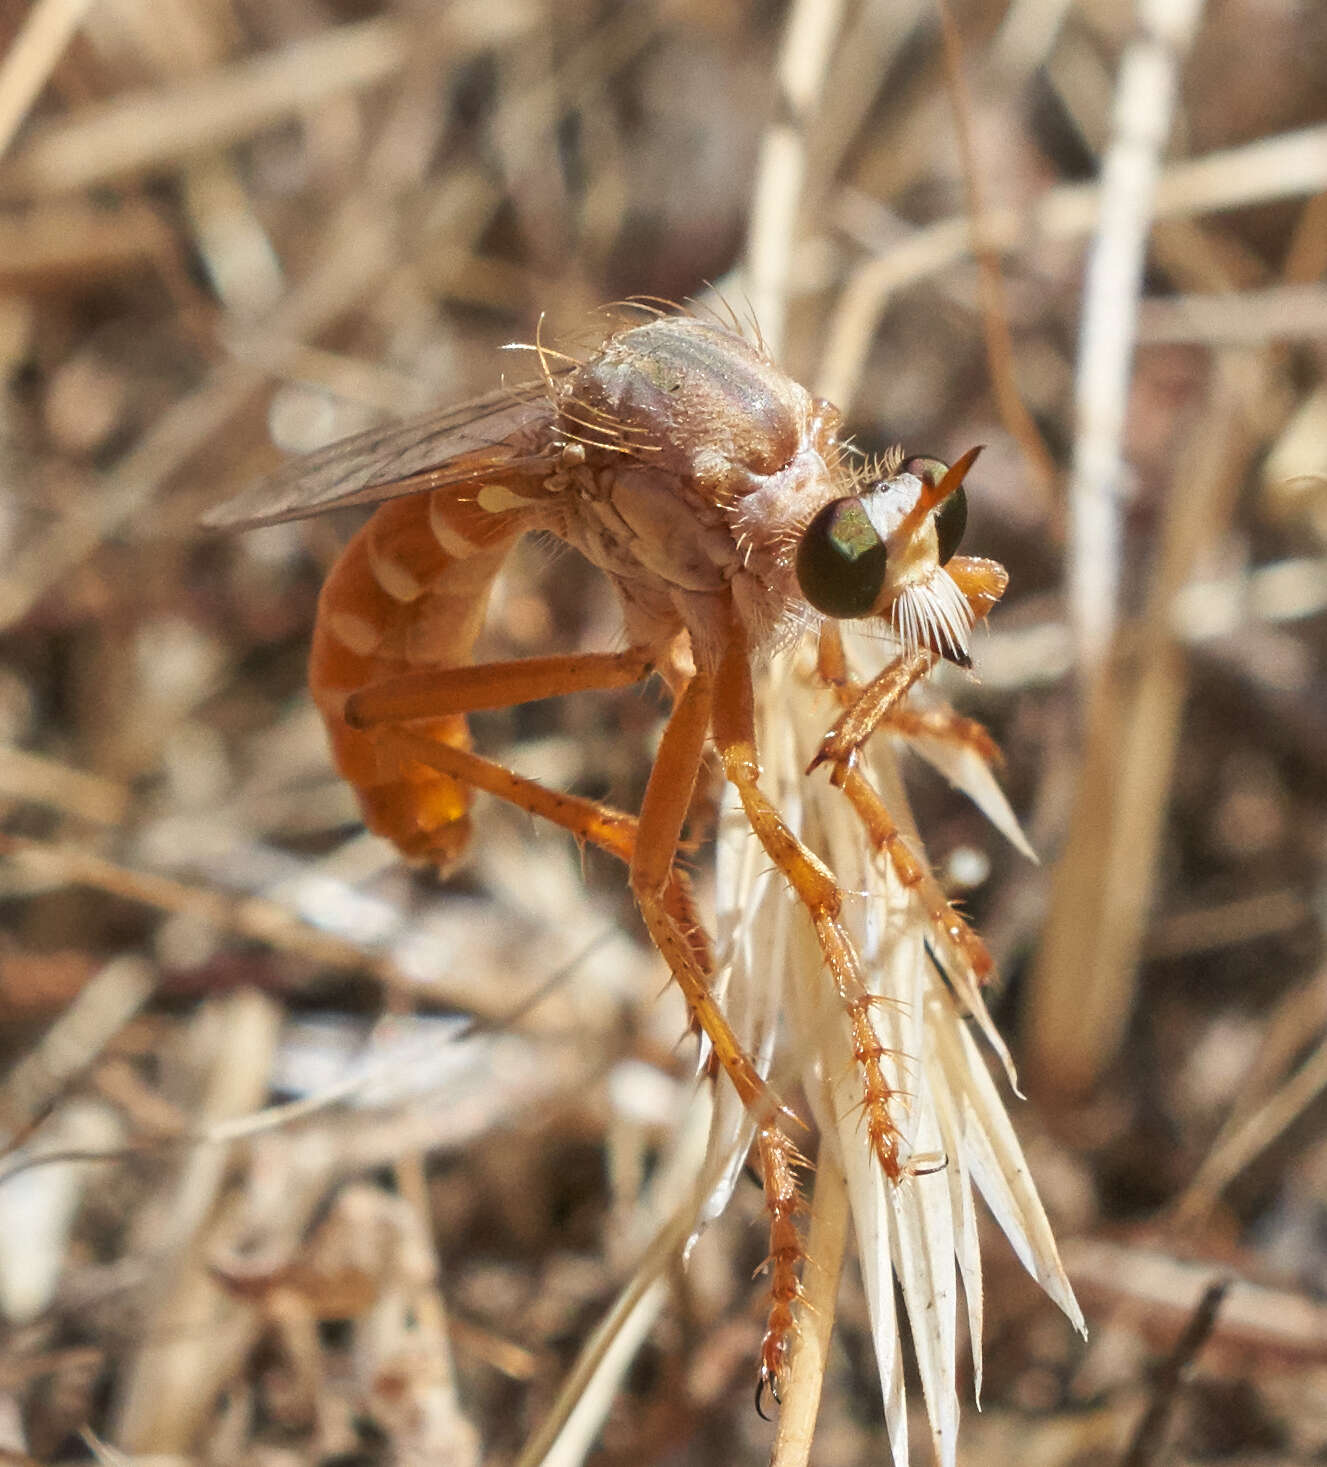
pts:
pixel 1150 1434
pixel 1286 166
pixel 1084 981
pixel 252 917
pixel 142 131
pixel 804 59
pixel 1252 1137
pixel 825 1248
pixel 1145 94
pixel 28 776
pixel 1249 318
pixel 31 58
pixel 72 1044
pixel 359 253
pixel 1013 410
pixel 808 40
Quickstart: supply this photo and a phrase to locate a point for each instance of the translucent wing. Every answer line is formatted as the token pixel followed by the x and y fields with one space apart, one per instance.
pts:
pixel 508 431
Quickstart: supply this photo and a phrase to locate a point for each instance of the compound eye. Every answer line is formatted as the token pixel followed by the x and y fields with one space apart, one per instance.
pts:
pixel 951 518
pixel 841 560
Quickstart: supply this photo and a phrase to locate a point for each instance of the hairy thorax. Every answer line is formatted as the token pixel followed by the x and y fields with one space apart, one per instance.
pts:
pixel 694 463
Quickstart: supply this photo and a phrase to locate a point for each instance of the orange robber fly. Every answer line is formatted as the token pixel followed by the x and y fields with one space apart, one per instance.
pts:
pixel 716 495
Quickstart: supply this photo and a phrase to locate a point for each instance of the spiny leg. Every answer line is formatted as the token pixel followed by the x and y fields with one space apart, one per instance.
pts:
pixel 913 872
pixel 591 822
pixel 647 845
pixel 879 703
pixel 937 723
pixel 870 708
pixel 779 1164
pixel 662 812
pixel 946 727
pixel 432 693
pixel 981 582
pixel 815 885
pixel 669 912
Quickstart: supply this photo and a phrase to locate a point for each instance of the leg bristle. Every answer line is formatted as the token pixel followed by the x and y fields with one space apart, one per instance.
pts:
pixel 780 1161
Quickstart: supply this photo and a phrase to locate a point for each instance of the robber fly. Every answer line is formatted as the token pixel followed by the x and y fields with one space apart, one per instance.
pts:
pixel 716 495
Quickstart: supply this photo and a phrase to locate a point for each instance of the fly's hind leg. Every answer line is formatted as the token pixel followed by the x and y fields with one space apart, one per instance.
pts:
pixel 387 709
pixel 648 845
pixel 591 822
pixel 434 692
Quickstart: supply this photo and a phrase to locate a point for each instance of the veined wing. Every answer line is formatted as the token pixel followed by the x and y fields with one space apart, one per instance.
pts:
pixel 507 431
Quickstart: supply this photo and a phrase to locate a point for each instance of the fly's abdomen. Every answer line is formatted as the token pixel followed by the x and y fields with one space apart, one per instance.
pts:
pixel 408 592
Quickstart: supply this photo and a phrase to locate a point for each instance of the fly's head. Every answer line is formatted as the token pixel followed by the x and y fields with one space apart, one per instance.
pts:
pixel 888 552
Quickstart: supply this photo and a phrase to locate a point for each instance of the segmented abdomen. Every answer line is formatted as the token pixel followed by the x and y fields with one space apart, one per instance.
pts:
pixel 408 592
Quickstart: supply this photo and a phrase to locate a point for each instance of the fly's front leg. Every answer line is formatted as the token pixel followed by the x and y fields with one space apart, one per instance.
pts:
pixel 982 583
pixel 865 710
pixel 936 723
pixel 870 708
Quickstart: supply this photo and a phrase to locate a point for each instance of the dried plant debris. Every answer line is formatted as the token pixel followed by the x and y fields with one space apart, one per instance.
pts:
pixel 312 1156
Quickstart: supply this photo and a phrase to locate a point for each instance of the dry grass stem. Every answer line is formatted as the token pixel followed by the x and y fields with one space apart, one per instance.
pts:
pixel 1107 869
pixel 1146 88
pixel 1018 421
pixel 31 57
pixel 803 67
pixel 1269 169
pixel 1236 1148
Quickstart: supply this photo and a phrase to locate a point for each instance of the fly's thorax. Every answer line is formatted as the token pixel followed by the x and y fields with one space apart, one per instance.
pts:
pixel 691 399
pixel 646 525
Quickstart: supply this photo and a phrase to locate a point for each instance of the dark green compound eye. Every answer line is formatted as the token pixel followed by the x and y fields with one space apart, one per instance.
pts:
pixel 951 519
pixel 841 560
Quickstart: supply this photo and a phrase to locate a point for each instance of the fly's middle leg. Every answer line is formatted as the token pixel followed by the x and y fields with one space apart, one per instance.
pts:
pixel 816 887
pixel 818 890
pixel 667 798
pixel 914 873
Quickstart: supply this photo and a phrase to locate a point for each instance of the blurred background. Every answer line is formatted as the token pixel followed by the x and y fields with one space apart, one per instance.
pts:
pixel 230 231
